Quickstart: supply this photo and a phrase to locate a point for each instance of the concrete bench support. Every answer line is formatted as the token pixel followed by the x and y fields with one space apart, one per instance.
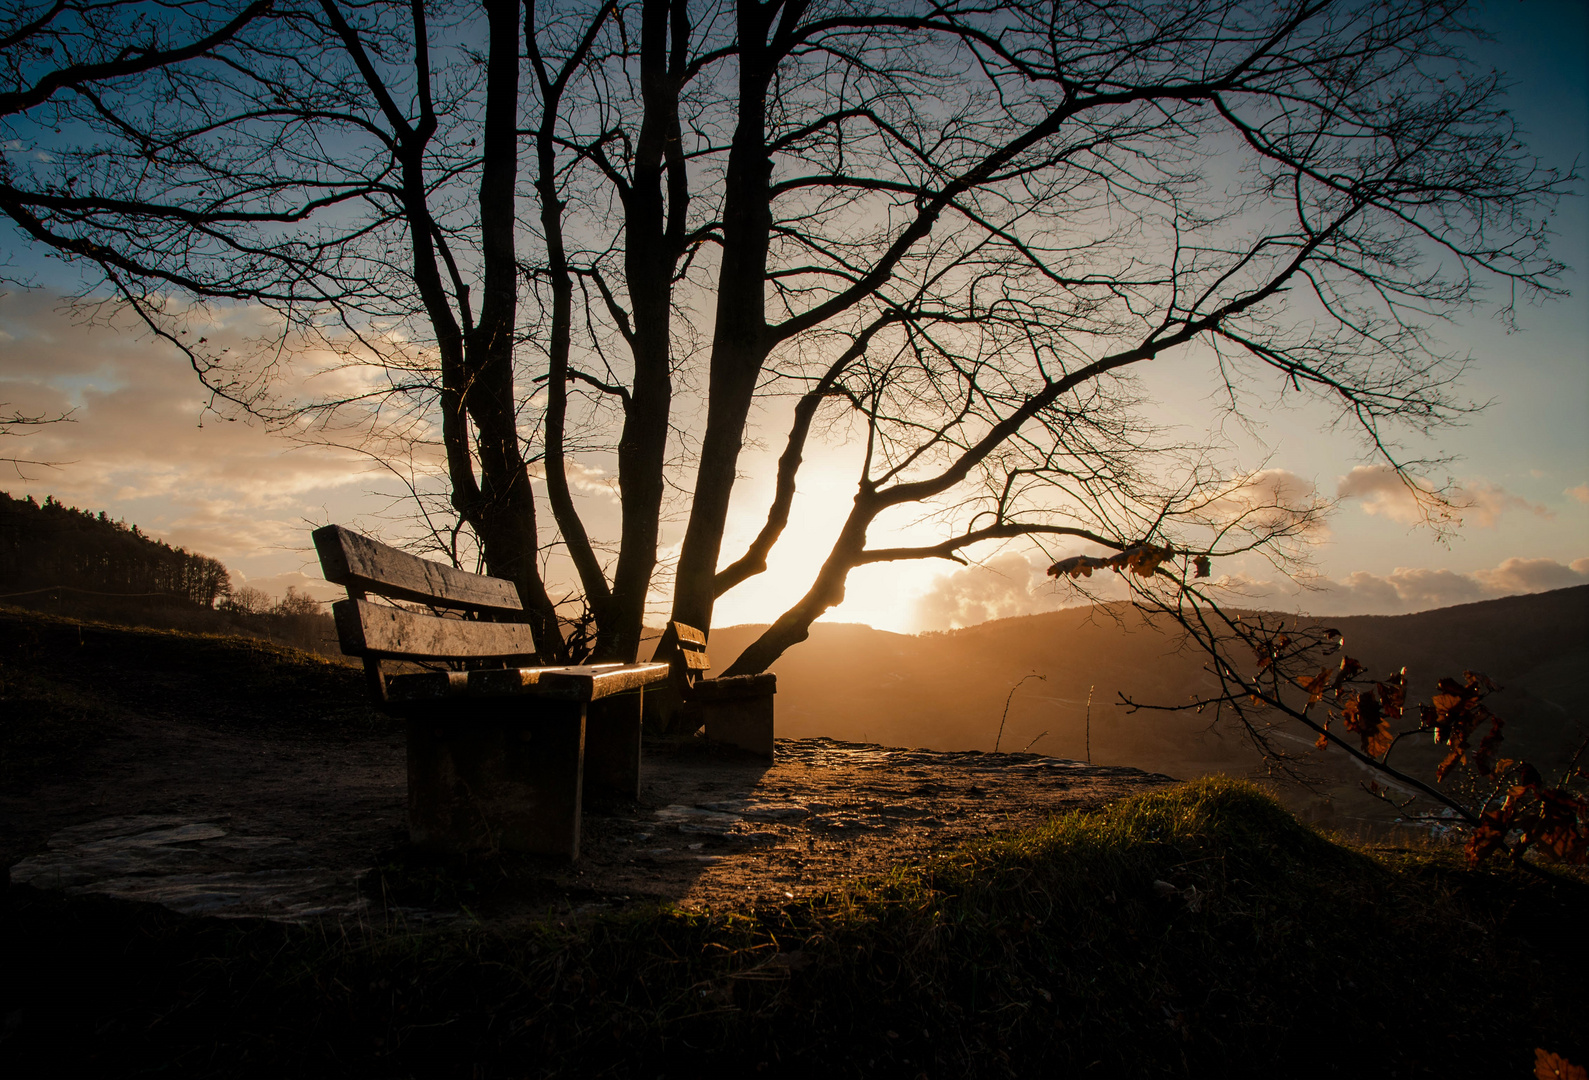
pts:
pixel 737 710
pixel 497 779
pixel 612 745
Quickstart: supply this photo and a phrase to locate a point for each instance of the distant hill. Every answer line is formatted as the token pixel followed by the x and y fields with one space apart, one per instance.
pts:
pixel 947 690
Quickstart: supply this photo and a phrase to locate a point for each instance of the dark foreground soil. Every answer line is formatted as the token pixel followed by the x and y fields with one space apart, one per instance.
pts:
pixel 846 910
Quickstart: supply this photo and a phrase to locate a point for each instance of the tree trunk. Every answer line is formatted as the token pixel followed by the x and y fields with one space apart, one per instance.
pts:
pixel 739 339
pixel 653 229
pixel 592 577
pixel 506 524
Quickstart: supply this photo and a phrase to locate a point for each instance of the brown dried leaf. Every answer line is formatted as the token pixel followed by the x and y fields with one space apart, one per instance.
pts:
pixel 1348 670
pixel 1076 566
pixel 1480 683
pixel 1141 559
pixel 1361 715
pixel 1456 710
pixel 1314 686
pixel 1487 837
pixel 1393 694
pixel 1562 829
pixel 1549 1066
pixel 1561 839
pixel 1487 746
pixel 1269 652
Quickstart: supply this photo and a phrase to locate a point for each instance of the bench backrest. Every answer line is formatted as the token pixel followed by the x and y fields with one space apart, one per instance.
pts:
pixel 375 631
pixel 357 562
pixel 690 661
pixel 381 631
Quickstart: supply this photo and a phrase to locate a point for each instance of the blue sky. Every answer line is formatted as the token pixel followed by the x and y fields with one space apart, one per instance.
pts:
pixel 144 447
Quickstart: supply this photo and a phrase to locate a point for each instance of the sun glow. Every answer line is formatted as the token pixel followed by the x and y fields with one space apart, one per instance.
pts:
pixel 885 595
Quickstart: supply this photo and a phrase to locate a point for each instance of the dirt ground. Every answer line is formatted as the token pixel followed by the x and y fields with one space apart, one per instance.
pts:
pixel 288 826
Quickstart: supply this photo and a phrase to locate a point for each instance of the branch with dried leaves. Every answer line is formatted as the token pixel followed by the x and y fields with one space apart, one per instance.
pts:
pixel 1507 808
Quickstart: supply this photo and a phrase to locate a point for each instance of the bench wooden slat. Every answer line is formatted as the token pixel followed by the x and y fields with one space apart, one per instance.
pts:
pixel 421 686
pixel 575 681
pixel 593 684
pixel 688 635
pixel 367 629
pixel 357 562
pixel 695 661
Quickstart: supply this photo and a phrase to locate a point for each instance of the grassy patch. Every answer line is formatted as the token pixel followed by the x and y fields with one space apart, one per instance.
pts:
pixel 1196 931
pixel 66 684
pixel 45 727
pixel 45 724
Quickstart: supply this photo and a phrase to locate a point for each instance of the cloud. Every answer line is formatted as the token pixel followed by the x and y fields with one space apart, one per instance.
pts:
pixel 1484 503
pixel 1581 493
pixel 1420 588
pixel 1533 575
pixel 1385 493
pixel 586 479
pixel 1409 589
pixel 1267 500
pixel 1276 487
pixel 996 589
pixel 143 443
pixel 1011 584
pixel 1007 585
pixel 277 585
pixel 1359 591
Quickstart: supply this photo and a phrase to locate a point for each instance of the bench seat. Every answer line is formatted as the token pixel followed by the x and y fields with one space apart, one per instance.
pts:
pixel 586 682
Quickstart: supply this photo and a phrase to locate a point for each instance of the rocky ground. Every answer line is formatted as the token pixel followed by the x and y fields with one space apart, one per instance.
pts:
pixel 287 826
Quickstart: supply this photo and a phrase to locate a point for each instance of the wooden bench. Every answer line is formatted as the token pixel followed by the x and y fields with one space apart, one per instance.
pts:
pixel 737 710
pixel 499 750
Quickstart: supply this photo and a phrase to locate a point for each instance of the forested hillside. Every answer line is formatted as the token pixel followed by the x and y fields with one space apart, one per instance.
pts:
pixel 55 546
pixel 77 563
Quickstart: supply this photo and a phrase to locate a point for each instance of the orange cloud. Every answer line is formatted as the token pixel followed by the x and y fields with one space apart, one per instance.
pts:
pixel 1408 589
pixel 1385 493
pixel 145 443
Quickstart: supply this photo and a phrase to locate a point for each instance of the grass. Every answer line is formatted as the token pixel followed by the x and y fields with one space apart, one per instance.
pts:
pixel 1267 949
pixel 68 684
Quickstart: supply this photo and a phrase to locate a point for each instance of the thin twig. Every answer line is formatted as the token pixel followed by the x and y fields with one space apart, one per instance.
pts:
pixel 1017 686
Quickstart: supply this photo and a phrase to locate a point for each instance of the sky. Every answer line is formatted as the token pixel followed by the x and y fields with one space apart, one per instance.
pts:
pixel 142 444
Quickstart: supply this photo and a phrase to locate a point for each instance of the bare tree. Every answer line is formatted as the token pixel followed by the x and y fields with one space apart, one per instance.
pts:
pixel 957 228
pixel 61 54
